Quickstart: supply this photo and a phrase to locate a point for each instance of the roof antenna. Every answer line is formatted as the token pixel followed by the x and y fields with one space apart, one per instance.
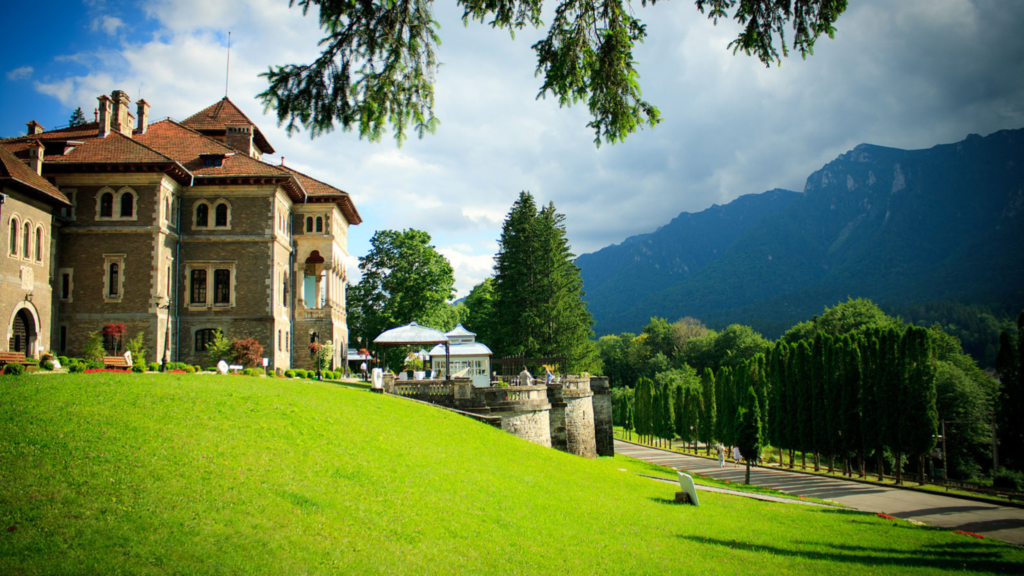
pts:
pixel 227 74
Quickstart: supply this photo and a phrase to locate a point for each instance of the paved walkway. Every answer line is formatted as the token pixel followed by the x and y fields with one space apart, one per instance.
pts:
pixel 1004 523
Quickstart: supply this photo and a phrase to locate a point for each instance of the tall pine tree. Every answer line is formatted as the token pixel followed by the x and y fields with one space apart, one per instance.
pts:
pixel 538 292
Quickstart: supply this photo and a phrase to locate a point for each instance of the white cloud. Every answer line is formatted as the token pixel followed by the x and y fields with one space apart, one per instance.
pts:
pixel 21 73
pixel 109 24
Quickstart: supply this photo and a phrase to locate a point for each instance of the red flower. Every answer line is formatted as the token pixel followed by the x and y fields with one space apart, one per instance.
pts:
pixel 966 533
pixel 12 528
pixel 886 516
pixel 95 370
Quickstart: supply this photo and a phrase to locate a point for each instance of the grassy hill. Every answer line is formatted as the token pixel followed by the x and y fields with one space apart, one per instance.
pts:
pixel 165 474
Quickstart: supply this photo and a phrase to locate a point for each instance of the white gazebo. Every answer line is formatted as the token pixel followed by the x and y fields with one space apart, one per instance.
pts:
pixel 416 335
pixel 468 357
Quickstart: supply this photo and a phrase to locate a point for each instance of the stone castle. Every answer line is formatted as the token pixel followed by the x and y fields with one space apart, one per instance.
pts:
pixel 175 229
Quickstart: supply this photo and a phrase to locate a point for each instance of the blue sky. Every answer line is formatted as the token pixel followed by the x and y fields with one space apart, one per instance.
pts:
pixel 907 74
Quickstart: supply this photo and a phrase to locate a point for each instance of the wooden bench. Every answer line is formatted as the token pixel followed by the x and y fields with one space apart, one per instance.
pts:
pixel 14 358
pixel 116 362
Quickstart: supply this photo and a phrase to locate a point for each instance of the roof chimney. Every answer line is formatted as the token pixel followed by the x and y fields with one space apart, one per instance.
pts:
pixel 121 120
pixel 143 109
pixel 34 128
pixel 35 155
pixel 239 137
pixel 105 111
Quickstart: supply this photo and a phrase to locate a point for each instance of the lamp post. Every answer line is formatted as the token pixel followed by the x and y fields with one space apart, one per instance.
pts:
pixel 167 336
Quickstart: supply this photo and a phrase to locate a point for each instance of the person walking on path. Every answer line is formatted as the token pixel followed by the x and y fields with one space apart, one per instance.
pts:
pixel 362 368
pixel 736 456
pixel 721 455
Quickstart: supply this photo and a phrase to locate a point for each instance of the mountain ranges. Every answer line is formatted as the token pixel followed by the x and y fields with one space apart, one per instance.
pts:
pixel 896 226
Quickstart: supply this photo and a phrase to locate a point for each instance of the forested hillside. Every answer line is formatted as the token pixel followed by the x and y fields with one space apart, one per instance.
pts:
pixel 903 228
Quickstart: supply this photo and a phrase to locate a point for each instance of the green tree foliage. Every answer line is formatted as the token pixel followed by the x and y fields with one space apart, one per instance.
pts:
pixel 94 348
pixel 77 117
pixel 480 312
pixel 805 409
pixel 850 423
pixel 920 418
pixel 538 293
pixel 622 402
pixel 851 317
pixel 377 65
pixel 404 279
pixel 446 318
pixel 138 349
pixel 731 347
pixel 709 412
pixel 644 407
pixel 1010 366
pixel 748 432
pixel 219 348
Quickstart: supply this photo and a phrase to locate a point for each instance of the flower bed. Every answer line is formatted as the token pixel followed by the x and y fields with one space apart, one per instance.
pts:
pixel 114 370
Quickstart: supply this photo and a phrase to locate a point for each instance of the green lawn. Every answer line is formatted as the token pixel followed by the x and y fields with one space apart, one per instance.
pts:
pixel 154 473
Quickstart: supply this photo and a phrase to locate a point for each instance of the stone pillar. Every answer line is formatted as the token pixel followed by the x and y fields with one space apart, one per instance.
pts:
pixel 602 400
pixel 572 416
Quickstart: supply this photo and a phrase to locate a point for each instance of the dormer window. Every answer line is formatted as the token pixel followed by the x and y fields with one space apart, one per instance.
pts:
pixel 214 160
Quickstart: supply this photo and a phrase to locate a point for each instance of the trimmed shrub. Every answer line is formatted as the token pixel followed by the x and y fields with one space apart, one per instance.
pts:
pixel 46 365
pixel 138 368
pixel 252 372
pixel 198 368
pixel 1008 480
pixel 211 369
pixel 154 367
pixel 189 369
pixel 63 360
pixel 76 367
pixel 94 365
pixel 290 373
pixel 14 369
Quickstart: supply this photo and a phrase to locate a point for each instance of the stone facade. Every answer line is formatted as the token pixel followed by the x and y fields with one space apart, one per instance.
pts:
pixel 180 229
pixel 603 433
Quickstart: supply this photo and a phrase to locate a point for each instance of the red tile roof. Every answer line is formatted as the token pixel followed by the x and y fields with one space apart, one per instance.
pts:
pixel 16 174
pixel 318 189
pixel 186 145
pixel 224 112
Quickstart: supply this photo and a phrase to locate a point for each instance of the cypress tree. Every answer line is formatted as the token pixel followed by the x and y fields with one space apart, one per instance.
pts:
pixel 805 403
pixel 777 398
pixel 851 414
pixel 643 403
pixel 819 416
pixel 759 379
pixel 724 421
pixel 693 414
pixel 833 400
pixel 679 401
pixel 791 406
pixel 1010 428
pixel 709 416
pixel 920 422
pixel 748 436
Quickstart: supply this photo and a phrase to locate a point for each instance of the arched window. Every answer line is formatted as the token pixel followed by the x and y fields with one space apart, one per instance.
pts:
pixel 202 216
pixel 15 225
pixel 198 287
pixel 319 224
pixel 112 280
pixel 309 224
pixel 39 243
pixel 127 204
pixel 25 240
pixel 107 205
pixel 221 215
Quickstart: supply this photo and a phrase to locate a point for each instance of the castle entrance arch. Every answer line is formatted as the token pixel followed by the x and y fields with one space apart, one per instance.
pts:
pixel 23 332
